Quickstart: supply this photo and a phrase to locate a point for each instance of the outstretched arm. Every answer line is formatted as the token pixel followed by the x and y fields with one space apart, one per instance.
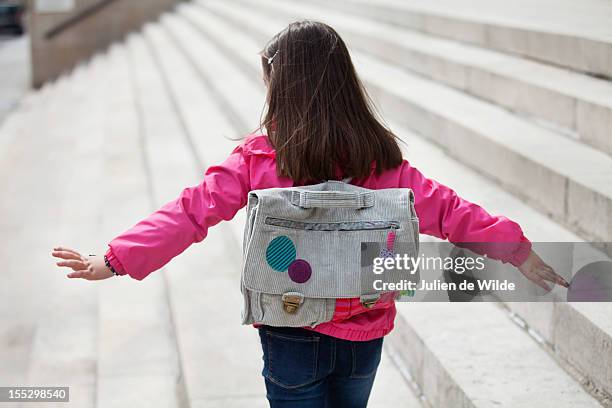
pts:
pixel 164 234
pixel 442 213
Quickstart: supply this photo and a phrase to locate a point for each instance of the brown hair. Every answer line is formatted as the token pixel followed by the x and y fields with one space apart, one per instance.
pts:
pixel 319 117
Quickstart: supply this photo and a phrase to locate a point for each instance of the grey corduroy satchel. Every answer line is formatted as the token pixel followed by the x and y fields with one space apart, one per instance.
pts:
pixel 304 248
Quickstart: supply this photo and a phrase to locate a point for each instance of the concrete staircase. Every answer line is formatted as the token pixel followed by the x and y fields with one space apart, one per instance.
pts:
pixel 128 130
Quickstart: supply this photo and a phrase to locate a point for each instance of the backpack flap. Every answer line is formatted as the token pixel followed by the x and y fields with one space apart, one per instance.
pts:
pixel 320 241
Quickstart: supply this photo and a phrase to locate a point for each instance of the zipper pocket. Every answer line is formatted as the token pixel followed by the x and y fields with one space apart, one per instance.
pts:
pixel 333 226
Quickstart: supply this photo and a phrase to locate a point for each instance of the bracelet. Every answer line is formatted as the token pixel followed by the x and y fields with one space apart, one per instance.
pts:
pixel 109 266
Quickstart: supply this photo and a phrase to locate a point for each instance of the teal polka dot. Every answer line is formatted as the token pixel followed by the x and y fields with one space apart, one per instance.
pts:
pixel 280 253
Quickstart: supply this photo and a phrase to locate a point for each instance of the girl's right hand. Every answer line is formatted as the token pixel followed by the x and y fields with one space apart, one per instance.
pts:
pixel 90 268
pixel 538 271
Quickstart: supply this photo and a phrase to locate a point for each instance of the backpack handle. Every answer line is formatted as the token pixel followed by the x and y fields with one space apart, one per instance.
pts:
pixel 332 199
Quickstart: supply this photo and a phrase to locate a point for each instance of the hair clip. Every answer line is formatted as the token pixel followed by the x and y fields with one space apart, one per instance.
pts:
pixel 272 58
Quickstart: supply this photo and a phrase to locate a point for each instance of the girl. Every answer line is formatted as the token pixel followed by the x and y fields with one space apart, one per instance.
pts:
pixel 320 125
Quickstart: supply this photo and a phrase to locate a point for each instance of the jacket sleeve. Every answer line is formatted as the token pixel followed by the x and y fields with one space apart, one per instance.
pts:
pixel 154 241
pixel 443 214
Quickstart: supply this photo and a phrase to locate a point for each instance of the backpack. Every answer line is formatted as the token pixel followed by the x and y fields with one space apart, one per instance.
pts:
pixel 306 246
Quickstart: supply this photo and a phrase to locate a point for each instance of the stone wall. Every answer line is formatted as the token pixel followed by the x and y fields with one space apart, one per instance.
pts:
pixel 53 56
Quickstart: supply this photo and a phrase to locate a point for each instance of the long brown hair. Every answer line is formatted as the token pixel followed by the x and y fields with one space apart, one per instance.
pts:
pixel 319 117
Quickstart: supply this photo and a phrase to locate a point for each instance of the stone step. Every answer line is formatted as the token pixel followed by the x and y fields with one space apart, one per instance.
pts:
pixel 137 346
pixel 577 104
pixel 572 35
pixel 578 335
pixel 567 179
pixel 437 163
pixel 459 360
pixel 208 61
pixel 53 337
pixel 35 106
pixel 48 332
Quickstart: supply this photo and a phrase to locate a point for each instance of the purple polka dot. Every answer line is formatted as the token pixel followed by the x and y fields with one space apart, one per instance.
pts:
pixel 299 271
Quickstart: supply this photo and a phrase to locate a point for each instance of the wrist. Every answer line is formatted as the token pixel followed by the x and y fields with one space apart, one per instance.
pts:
pixel 112 262
pixel 99 268
pixel 109 266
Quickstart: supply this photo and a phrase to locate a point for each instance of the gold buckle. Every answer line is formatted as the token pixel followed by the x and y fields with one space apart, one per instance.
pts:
pixel 291 302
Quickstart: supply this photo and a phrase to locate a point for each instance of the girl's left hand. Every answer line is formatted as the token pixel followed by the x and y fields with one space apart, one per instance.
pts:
pixel 538 271
pixel 89 268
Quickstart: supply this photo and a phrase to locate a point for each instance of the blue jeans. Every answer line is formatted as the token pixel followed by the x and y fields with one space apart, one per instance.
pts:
pixel 305 369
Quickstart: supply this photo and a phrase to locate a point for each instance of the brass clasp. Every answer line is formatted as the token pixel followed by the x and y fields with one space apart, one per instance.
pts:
pixel 292 301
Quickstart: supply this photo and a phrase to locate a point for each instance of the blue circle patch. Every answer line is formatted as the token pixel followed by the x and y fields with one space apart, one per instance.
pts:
pixel 280 253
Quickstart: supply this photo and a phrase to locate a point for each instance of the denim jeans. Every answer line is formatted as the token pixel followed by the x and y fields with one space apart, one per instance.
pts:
pixel 305 369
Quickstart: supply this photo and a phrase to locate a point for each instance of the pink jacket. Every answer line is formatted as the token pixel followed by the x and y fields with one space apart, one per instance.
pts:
pixel 154 241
